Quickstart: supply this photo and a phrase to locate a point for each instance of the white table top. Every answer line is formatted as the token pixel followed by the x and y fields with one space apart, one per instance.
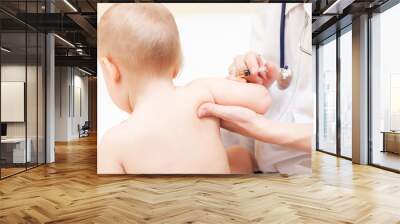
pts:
pixel 13 140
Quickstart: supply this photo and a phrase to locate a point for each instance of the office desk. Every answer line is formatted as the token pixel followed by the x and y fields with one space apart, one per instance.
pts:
pixel 13 150
pixel 391 141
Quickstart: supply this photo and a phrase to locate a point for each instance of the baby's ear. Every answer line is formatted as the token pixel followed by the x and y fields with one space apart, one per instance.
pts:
pixel 175 71
pixel 110 69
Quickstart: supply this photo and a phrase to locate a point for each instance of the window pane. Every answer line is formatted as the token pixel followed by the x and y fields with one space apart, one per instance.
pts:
pixel 327 97
pixel 14 153
pixel 346 94
pixel 385 85
pixel 31 97
pixel 41 98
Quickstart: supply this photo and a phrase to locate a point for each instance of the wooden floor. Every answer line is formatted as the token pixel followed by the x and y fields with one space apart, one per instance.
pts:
pixel 387 159
pixel 69 191
pixel 10 171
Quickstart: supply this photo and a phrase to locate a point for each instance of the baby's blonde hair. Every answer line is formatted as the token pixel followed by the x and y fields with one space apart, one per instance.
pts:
pixel 141 36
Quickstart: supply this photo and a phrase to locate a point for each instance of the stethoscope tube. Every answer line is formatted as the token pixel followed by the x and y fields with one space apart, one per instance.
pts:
pixel 285 72
pixel 282 36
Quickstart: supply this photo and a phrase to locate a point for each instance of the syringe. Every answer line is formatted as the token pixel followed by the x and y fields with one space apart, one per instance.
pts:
pixel 246 72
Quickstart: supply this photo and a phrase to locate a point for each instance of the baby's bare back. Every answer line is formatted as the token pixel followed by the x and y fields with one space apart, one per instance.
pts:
pixel 169 137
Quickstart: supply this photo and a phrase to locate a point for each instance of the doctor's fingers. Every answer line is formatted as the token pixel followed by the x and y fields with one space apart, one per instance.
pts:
pixel 258 70
pixel 239 64
pixel 262 67
pixel 213 110
pixel 226 113
pixel 233 74
pixel 257 79
pixel 234 114
pixel 272 74
pixel 252 62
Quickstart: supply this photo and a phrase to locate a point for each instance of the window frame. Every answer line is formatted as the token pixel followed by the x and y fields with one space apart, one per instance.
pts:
pixel 381 9
pixel 334 37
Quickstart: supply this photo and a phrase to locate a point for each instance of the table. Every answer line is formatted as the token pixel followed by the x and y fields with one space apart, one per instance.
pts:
pixel 391 141
pixel 16 151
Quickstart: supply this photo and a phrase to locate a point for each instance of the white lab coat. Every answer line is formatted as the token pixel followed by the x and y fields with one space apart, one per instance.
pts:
pixel 295 104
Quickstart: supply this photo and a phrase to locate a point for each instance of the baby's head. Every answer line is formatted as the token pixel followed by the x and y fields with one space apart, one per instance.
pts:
pixel 137 42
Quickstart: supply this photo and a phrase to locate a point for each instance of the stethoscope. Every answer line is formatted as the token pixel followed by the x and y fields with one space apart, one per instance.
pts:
pixel 286 74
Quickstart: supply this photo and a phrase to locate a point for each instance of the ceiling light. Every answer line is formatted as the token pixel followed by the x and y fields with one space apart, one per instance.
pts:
pixel 70 5
pixel 5 50
pixel 65 41
pixel 337 7
pixel 84 71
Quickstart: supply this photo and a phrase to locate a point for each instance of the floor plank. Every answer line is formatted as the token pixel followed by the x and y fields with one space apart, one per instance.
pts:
pixel 70 191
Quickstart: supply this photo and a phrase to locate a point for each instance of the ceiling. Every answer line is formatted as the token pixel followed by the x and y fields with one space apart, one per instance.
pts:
pixel 75 22
pixel 329 16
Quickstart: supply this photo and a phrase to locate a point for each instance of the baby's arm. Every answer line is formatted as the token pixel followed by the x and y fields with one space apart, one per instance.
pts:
pixel 233 93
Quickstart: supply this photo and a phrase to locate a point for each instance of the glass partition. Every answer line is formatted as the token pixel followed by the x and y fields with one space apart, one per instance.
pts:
pixel 32 87
pixel 327 96
pixel 41 107
pixel 346 93
pixel 13 108
pixel 385 90
pixel 31 100
pixel 23 91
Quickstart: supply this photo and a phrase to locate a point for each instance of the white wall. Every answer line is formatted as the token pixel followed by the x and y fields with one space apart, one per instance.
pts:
pixel 61 103
pixel 211 35
pixel 66 120
pixel 80 82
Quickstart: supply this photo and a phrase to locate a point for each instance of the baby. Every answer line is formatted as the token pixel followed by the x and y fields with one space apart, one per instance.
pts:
pixel 140 55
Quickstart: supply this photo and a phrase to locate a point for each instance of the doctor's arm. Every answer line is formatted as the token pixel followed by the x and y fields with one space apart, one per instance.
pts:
pixel 247 122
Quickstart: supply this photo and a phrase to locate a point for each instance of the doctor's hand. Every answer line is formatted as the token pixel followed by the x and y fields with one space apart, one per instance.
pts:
pixel 233 118
pixel 254 62
pixel 251 124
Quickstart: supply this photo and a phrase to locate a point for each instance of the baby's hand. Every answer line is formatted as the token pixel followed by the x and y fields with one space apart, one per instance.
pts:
pixel 236 78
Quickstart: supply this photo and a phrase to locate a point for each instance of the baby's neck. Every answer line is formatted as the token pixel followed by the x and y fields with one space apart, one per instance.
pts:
pixel 152 93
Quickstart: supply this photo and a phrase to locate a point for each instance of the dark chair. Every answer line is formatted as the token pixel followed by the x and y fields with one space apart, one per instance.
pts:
pixel 84 130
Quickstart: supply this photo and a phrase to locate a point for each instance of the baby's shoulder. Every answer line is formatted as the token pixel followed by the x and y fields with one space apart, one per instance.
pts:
pixel 199 88
pixel 118 137
pixel 109 138
pixel 112 149
pixel 201 83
